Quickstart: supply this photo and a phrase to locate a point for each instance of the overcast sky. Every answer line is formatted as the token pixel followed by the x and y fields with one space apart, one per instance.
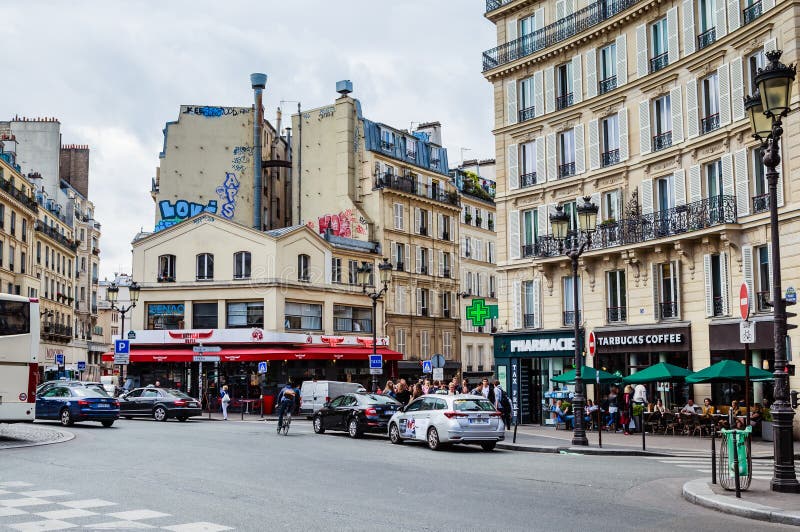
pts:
pixel 113 72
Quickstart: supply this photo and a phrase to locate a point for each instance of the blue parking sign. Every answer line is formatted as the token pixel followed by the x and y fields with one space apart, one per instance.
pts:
pixel 81 365
pixel 375 361
pixel 122 347
pixel 427 367
pixel 60 359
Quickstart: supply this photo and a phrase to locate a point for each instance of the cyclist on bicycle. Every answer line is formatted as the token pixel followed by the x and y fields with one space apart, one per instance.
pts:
pixel 286 399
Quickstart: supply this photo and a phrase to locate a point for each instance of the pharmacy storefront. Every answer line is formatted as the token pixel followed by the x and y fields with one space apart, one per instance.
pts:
pixel 526 363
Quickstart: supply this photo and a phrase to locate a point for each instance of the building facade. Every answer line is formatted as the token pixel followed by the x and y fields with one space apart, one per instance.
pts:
pixel 637 105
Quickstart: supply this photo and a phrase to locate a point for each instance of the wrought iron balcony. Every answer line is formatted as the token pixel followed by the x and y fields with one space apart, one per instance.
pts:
pixel 388 146
pixel 17 194
pixel 658 62
pixel 527 179
pixel 569 317
pixel 662 141
pixel 610 157
pixel 706 38
pixel 616 314
pixel 762 301
pixel 752 12
pixel 529 321
pixel 676 221
pixel 668 310
pixel 709 123
pixel 760 203
pixel 526 114
pixel 491 5
pixel 606 85
pixel 411 185
pixel 554 33
pixel 562 102
pixel 719 309
pixel 55 235
pixel 566 170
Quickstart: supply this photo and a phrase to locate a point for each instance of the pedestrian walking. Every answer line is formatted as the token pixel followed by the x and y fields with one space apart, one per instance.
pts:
pixel 225 399
pixel 613 409
pixel 464 386
pixel 401 392
pixel 503 404
pixel 627 409
pixel 389 389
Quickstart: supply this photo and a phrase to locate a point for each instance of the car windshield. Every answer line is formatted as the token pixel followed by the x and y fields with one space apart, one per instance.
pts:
pixel 86 392
pixel 178 393
pixel 472 405
pixel 373 399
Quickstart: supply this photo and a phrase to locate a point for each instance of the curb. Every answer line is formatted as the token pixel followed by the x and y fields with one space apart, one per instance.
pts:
pixel 65 437
pixel 698 492
pixel 578 450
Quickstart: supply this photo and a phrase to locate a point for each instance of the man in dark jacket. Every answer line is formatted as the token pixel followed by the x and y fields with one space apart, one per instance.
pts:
pixel 487 390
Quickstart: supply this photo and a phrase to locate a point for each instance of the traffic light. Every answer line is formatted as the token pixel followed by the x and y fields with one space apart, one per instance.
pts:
pixel 790 326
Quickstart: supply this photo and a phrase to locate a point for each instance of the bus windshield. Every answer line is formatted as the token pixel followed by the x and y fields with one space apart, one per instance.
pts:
pixel 14 317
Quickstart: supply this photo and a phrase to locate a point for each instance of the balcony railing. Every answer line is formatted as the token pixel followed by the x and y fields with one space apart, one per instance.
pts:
pixel 17 194
pixel 491 5
pixel 760 203
pixel 352 325
pixel 564 101
pixel 719 309
pixel 400 267
pixel 706 38
pixel 762 301
pixel 566 170
pixel 606 85
pixel 752 12
pixel 662 141
pixel 446 272
pixel 694 216
pixel 610 157
pixel 526 114
pixel 658 62
pixel 668 310
pixel 527 180
pixel 709 123
pixel 616 314
pixel 410 185
pixel 388 146
pixel 569 317
pixel 558 31
pixel 529 321
pixel 55 235
pixel 57 331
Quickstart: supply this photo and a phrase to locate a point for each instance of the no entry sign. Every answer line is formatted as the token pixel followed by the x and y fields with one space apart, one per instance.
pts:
pixel 744 301
pixel 591 343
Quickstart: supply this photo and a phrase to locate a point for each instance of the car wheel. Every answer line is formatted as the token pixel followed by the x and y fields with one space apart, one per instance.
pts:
pixel 107 423
pixel 353 429
pixel 182 418
pixel 66 417
pixel 433 439
pixel 160 413
pixel 318 427
pixel 394 434
pixel 488 445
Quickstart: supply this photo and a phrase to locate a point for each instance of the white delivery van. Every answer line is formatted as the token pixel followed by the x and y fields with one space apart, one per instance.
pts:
pixel 108 383
pixel 314 394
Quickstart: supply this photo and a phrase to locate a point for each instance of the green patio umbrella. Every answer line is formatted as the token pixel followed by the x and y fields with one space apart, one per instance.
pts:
pixel 661 372
pixel 727 371
pixel 589 376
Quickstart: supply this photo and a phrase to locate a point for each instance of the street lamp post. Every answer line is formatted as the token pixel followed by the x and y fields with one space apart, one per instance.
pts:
pixel 112 293
pixel 766 109
pixel 364 275
pixel 578 239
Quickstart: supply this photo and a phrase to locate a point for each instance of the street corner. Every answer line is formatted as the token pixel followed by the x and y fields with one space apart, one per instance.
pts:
pixel 29 435
pixel 782 509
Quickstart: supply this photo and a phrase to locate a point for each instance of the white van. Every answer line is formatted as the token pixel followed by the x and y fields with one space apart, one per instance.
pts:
pixel 314 394
pixel 108 383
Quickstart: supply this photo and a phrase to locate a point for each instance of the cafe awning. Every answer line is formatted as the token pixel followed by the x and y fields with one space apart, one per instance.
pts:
pixel 728 371
pixel 661 372
pixel 589 376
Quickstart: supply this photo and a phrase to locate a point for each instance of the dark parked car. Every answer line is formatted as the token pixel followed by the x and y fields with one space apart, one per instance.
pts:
pixel 356 413
pixel 76 403
pixel 96 386
pixel 161 403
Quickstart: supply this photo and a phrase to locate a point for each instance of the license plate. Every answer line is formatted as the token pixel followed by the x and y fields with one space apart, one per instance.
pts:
pixel 193 404
pixel 478 420
pixel 102 405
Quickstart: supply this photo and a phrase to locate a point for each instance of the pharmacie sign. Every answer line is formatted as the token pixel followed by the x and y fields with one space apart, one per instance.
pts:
pixel 542 344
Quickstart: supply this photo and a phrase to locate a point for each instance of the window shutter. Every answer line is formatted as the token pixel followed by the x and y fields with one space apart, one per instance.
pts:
pixel 721 22
pixel 676 266
pixel 596 200
pixel 693 128
pixel 512 159
pixel 644 127
pixel 779 169
pixel 419 301
pixel 440 270
pixel 679 180
pixel 398 301
pixel 656 285
pixel 561 9
pixel 723 75
pixel 577 79
pixel 676 108
pixel 647 196
pixel 594 145
pixel 517 295
pixel 580 151
pixel 737 89
pixel 328 266
pixel 708 284
pixel 771 44
pixel 641 51
pixel 622 60
pixel 537 315
pixel 418 251
pixel 733 15
pixel 538 93
pixel 740 170
pixel 551 157
pixel 725 281
pixel 541 161
pixel 511 30
pixel 591 73
pixel 542 220
pixel 695 187
pixel 747 271
pixel 769 268
pixel 727 175
pixel 432 307
pixel 622 125
pixel 511 102
pixel 417 219
pixel 673 53
pixel 538 19
pixel 407 262
pixel 393 245
pixel 430 262
pixel 463 246
pixel 440 226
pixel 514 235
pixel 688 27
pixel 549 90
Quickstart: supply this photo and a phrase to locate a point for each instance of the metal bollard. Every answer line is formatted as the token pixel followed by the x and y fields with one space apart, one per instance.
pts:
pixel 641 423
pixel 713 455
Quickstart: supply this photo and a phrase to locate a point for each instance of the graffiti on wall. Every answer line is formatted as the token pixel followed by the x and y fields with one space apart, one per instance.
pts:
pixel 345 224
pixel 227 193
pixel 173 213
pixel 214 112
pixel 241 158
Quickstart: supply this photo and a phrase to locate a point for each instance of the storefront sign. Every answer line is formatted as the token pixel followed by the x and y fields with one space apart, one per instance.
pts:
pixel 650 340
pixel 514 387
pixel 544 344
pixel 641 339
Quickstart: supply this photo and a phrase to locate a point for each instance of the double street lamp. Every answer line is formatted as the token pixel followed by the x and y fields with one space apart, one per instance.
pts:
pixel 573 242
pixel 365 279
pixel 112 294
pixel 766 109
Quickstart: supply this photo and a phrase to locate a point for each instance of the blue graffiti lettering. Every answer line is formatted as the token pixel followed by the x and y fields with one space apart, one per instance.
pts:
pixel 227 191
pixel 173 213
pixel 213 112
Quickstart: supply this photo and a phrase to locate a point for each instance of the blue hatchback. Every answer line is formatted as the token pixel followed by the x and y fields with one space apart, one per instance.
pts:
pixel 69 404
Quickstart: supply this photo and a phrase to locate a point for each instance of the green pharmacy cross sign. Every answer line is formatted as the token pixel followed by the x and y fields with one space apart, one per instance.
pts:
pixel 478 312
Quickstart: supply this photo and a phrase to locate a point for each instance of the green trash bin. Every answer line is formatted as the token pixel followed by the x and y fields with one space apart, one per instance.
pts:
pixel 727 466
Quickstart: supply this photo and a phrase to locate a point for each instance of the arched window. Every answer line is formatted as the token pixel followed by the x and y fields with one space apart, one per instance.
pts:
pixel 302 267
pixel 241 265
pixel 205 267
pixel 166 269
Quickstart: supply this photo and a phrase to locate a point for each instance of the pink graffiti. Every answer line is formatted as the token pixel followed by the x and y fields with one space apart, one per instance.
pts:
pixel 341 224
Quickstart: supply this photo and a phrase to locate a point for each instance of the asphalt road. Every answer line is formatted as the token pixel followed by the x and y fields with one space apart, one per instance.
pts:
pixel 242 475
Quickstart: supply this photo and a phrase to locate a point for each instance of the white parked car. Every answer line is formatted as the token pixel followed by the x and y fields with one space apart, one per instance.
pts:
pixel 314 394
pixel 446 419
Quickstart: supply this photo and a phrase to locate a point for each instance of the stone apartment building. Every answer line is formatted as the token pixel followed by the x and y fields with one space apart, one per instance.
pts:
pixel 636 104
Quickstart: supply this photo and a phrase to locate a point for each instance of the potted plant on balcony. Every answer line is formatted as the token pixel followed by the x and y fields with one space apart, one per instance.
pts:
pixel 478 220
pixel 467 218
pixel 490 225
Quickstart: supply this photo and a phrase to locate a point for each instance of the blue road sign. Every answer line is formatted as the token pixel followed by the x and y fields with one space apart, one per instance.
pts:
pixel 375 361
pixel 122 347
pixel 791 296
pixel 60 359
pixel 81 365
pixel 262 367
pixel 427 367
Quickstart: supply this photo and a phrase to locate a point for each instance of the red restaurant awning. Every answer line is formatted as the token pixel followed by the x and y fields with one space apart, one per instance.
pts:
pixel 256 354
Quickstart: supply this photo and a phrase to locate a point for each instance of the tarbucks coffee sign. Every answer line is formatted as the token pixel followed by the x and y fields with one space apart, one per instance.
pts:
pixel 653 339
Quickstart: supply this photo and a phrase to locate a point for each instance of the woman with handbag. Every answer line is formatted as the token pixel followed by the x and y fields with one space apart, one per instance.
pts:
pixel 225 400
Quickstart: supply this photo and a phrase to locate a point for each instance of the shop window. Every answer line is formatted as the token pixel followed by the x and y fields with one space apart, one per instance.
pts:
pixel 205 267
pixel 160 315
pixel 245 315
pixel 616 310
pixel 204 315
pixel 352 319
pixel 166 268
pixel 241 265
pixel 303 262
pixel 303 317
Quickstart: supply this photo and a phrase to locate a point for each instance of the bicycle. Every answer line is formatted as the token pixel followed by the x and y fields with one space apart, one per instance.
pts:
pixel 287 420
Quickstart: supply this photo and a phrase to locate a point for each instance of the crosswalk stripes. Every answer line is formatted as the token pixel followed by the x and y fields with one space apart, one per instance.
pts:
pixel 762 469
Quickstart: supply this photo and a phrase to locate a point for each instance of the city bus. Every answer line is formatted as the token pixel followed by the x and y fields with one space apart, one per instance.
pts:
pixel 19 357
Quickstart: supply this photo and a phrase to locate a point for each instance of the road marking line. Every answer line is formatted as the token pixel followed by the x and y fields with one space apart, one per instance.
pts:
pixel 27 501
pixel 135 515
pixel 16 484
pixel 87 503
pixel 66 514
pixel 197 527
pixel 117 525
pixel 5 512
pixel 45 493
pixel 42 525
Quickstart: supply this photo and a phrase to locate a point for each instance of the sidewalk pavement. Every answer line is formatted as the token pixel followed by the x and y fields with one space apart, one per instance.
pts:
pixel 758 502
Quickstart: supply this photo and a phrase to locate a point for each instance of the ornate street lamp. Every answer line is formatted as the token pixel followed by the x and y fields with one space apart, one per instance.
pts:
pixel 576 240
pixel 766 108
pixel 364 279
pixel 112 294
